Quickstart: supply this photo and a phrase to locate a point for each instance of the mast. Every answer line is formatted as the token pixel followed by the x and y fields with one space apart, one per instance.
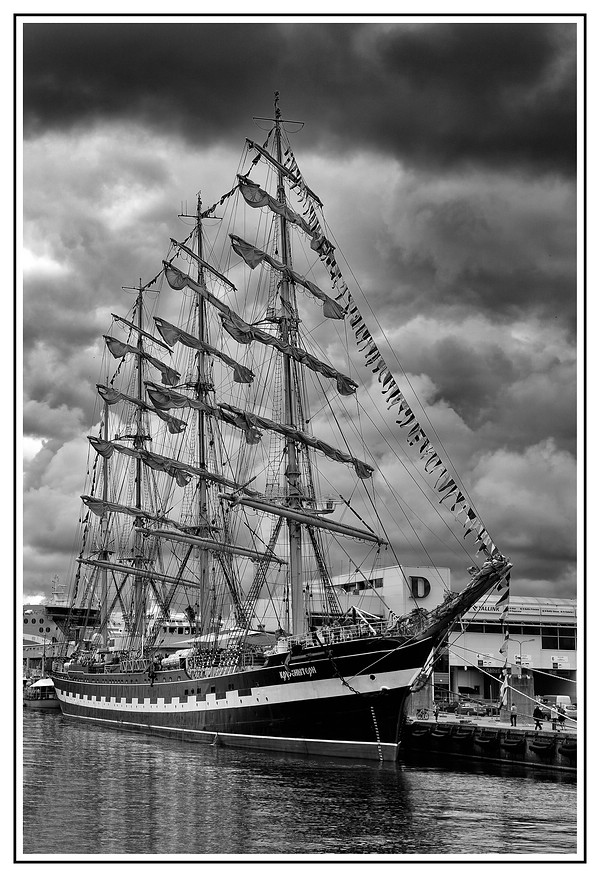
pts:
pixel 201 394
pixel 139 597
pixel 288 327
pixel 104 541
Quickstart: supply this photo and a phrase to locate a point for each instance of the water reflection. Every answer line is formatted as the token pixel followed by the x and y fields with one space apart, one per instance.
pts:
pixel 92 790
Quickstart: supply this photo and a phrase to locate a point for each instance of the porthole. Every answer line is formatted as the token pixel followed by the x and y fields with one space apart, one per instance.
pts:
pixel 26 621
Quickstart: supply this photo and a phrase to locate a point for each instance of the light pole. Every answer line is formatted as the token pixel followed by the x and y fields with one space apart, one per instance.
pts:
pixel 521 643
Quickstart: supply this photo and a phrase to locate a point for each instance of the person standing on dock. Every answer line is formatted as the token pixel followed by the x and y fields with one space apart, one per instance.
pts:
pixel 538 716
pixel 513 716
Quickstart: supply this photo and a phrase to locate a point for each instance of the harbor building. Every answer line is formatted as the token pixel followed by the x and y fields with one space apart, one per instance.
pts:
pixel 542 642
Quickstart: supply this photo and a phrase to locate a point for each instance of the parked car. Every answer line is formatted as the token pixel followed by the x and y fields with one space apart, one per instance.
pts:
pixel 471 708
pixel 445 706
pixel 556 700
pixel 545 712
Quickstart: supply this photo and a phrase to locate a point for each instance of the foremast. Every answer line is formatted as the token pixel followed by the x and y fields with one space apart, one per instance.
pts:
pixel 139 441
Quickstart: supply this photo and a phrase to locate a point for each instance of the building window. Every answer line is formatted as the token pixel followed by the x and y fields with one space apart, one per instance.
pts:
pixel 362 585
pixel 550 642
pixel 26 621
pixel 559 638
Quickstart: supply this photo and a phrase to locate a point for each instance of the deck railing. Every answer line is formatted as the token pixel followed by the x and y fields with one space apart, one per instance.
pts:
pixel 331 635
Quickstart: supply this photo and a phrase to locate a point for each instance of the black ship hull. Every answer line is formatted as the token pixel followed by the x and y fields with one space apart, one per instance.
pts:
pixel 343 700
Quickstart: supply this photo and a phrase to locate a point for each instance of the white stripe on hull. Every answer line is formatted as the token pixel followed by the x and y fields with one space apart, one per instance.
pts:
pixel 309 690
pixel 298 745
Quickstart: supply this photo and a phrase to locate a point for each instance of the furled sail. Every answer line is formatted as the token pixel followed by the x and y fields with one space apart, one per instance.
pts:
pixel 296 180
pixel 181 472
pixel 257 197
pixel 253 256
pixel 252 423
pixel 165 399
pixel 112 396
pixel 178 280
pixel 245 333
pixel 101 507
pixel 172 334
pixel 140 331
pixel 250 420
pixel 118 349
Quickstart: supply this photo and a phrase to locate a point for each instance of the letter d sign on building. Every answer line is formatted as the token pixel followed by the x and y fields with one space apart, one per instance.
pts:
pixel 419 587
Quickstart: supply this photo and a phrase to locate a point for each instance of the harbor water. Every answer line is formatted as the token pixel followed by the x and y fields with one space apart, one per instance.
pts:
pixel 93 791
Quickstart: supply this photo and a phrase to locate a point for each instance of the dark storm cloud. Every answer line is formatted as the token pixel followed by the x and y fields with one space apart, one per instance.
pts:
pixel 501 246
pixel 430 94
pixel 444 156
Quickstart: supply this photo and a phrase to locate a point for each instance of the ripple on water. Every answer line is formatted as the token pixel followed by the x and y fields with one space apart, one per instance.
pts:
pixel 94 791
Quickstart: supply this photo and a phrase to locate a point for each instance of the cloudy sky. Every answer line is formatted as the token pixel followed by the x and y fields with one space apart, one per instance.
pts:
pixel 446 157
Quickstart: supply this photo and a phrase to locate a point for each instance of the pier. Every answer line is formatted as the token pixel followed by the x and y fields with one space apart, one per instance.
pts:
pixel 489 739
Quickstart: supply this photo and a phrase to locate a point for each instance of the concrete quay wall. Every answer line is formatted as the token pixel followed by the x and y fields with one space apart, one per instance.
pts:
pixel 490 741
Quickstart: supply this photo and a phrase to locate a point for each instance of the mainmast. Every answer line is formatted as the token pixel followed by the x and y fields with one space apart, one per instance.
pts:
pixel 202 386
pixel 288 333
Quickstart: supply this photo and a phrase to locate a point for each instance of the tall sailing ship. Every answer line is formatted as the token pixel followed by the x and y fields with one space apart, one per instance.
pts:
pixel 217 489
